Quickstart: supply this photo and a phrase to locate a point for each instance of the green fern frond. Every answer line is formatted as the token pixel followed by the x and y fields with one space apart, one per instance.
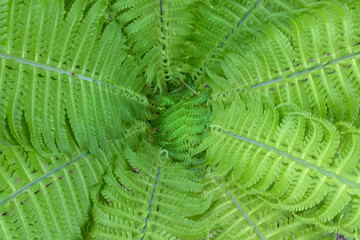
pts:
pixel 145 197
pixel 313 62
pixel 69 64
pixel 220 26
pixel 181 127
pixel 179 119
pixel 160 56
pixel 45 197
pixel 235 214
pixel 295 161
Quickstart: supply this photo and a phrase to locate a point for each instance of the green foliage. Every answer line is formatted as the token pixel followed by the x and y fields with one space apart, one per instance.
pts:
pixel 179 119
pixel 235 214
pixel 181 128
pixel 145 196
pixel 296 162
pixel 43 197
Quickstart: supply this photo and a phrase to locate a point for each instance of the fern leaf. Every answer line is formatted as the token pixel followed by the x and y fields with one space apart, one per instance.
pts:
pixel 58 75
pixel 285 161
pixel 312 62
pixel 181 127
pixel 45 197
pixel 148 199
pixel 235 214
pixel 179 119
pixel 160 56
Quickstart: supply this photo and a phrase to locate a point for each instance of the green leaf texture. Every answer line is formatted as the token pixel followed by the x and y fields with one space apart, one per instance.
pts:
pixel 181 119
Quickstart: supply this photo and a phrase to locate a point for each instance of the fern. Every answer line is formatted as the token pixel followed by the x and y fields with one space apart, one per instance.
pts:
pixel 145 199
pixel 181 127
pixel 296 161
pixel 235 214
pixel 160 56
pixel 179 119
pixel 43 197
pixel 60 77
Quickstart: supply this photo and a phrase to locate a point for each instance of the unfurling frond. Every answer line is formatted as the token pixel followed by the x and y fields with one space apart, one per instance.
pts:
pixel 181 128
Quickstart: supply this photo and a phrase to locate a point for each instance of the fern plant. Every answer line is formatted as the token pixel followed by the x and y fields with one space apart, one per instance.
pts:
pixel 179 119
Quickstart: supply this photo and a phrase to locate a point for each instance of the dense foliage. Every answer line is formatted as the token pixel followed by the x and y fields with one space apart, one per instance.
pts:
pixel 179 119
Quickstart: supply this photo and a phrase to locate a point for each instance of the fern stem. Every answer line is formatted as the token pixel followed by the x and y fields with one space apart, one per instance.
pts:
pixel 248 219
pixel 162 23
pixel 241 22
pixel 222 44
pixel 188 86
pixel 257 4
pixel 15 194
pixel 49 68
pixel 310 166
pixel 151 203
pixel 161 10
pixel 108 15
pixel 296 74
pixel 238 206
